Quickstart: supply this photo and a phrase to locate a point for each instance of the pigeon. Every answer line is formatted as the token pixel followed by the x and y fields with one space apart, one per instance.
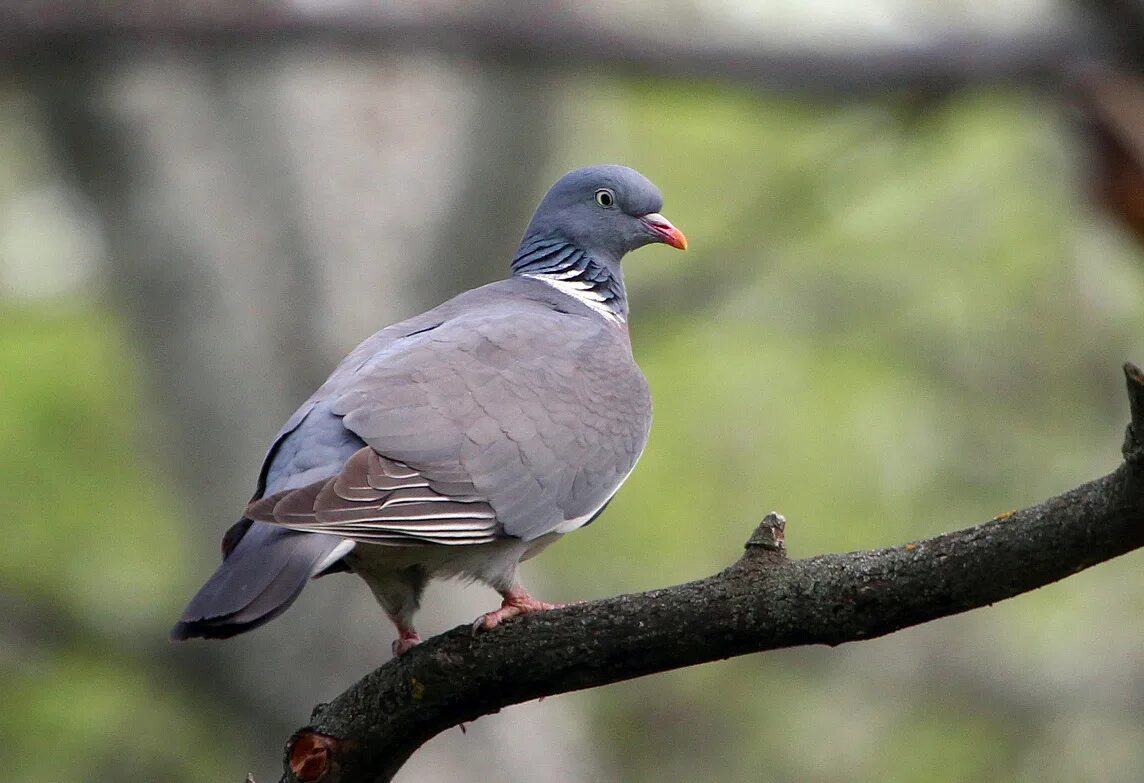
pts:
pixel 461 441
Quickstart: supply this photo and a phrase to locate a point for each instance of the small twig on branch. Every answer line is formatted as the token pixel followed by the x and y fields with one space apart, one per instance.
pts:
pixel 762 602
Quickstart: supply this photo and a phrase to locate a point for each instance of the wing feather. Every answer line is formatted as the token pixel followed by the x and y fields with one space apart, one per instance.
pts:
pixel 377 500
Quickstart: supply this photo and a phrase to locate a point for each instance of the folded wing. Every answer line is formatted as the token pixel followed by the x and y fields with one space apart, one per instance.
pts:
pixel 376 500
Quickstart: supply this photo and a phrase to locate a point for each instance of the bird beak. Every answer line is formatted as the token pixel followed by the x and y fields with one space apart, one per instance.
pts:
pixel 664 232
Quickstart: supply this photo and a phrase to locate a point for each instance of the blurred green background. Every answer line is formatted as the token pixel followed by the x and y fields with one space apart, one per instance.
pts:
pixel 896 318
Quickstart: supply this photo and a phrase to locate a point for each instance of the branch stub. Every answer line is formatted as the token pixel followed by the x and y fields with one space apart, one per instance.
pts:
pixel 770 535
pixel 310 755
pixel 1133 448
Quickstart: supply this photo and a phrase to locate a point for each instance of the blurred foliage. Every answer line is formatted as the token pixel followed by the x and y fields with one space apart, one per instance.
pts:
pixel 895 319
pixel 71 448
pixel 95 551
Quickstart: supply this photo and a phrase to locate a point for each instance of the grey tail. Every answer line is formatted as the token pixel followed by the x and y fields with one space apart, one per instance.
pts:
pixel 257 581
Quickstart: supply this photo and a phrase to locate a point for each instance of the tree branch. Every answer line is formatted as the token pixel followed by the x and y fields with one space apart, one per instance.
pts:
pixel 762 602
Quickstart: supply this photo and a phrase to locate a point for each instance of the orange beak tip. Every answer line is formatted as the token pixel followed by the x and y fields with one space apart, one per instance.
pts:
pixel 664 231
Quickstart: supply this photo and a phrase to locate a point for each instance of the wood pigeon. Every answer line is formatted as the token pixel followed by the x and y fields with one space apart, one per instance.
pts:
pixel 463 440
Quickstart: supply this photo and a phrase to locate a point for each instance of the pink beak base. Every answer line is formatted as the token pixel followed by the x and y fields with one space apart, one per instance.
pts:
pixel 667 233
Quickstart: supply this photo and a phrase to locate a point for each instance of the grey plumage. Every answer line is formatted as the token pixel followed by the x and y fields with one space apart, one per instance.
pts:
pixel 464 439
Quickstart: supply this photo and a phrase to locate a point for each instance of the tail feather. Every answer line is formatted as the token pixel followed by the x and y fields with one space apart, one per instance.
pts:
pixel 259 579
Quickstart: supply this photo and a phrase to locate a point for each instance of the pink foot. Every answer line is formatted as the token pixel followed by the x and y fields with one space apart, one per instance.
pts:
pixel 407 639
pixel 517 601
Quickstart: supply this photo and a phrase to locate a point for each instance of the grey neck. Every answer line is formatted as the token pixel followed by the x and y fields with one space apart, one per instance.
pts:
pixel 575 272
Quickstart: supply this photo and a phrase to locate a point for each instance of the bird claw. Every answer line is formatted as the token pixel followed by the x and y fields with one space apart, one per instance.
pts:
pixel 512 606
pixel 406 642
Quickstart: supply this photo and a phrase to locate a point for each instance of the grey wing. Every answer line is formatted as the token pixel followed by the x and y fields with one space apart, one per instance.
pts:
pixel 376 500
pixel 505 426
pixel 313 440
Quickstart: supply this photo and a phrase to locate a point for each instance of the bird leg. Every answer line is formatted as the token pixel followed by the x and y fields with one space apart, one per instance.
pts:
pixel 407 636
pixel 516 601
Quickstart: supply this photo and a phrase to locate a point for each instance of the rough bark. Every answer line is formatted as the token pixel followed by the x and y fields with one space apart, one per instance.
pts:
pixel 762 602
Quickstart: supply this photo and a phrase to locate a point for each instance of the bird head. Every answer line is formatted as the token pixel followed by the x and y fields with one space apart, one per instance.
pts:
pixel 607 211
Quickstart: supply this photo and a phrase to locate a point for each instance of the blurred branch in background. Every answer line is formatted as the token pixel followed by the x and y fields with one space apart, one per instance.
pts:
pixel 550 34
pixel 1114 105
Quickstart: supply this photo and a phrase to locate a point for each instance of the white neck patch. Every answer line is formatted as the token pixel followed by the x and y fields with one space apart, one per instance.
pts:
pixel 581 292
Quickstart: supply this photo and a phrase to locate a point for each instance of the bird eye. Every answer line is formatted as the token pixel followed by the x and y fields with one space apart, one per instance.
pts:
pixel 605 198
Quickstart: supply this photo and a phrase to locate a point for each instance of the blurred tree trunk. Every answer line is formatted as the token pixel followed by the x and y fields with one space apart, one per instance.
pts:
pixel 264 212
